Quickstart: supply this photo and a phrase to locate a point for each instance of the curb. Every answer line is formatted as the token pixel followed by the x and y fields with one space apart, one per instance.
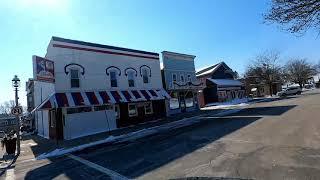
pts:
pixel 4 169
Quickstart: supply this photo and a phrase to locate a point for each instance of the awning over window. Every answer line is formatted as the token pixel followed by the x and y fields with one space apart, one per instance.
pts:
pixel 91 98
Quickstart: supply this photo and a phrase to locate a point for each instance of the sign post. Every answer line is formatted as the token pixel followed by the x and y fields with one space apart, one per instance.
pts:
pixel 17 110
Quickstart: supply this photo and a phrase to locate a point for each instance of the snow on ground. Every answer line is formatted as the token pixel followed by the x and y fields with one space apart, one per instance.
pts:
pixel 223 105
pixel 134 135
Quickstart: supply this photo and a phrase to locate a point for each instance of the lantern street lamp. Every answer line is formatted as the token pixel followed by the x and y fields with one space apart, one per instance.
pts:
pixel 16 85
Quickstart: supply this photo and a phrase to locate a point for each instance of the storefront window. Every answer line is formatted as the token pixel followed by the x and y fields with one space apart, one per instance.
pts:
pixel 79 110
pixel 148 108
pixel 174 101
pixel 132 108
pixel 103 108
pixel 117 111
pixel 189 99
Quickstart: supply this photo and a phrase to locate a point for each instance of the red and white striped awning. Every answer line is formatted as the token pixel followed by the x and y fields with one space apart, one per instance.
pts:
pixel 91 98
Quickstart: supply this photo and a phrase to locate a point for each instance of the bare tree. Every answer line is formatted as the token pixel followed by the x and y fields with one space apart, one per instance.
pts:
pixel 6 107
pixel 296 16
pixel 265 69
pixel 299 71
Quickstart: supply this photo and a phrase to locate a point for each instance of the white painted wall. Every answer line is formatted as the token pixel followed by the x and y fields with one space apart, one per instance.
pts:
pixel 83 124
pixel 95 65
pixel 42 90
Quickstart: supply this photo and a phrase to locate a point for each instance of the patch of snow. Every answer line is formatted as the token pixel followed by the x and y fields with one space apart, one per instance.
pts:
pixel 222 105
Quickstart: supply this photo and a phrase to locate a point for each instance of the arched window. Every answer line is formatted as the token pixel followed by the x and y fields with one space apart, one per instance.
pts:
pixel 145 75
pixel 145 72
pixel 113 78
pixel 131 78
pixel 74 78
pixel 112 72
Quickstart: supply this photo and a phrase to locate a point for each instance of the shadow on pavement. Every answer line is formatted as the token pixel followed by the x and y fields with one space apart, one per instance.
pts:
pixel 264 111
pixel 145 155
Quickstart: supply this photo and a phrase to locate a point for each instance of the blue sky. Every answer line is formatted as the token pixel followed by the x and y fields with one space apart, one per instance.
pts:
pixel 228 30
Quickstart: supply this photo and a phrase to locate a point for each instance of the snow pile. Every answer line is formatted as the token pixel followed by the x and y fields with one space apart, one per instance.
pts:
pixel 134 135
pixel 222 105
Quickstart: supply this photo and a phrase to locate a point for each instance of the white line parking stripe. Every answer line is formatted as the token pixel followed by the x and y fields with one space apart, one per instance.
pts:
pixel 112 174
pixel 10 174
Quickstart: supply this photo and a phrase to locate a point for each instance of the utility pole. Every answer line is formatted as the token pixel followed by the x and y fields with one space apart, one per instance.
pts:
pixel 16 84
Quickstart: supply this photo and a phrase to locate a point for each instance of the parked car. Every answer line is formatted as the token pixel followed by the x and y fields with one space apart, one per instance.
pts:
pixel 290 91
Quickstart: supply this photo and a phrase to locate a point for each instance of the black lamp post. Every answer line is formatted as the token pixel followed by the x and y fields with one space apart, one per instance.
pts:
pixel 16 85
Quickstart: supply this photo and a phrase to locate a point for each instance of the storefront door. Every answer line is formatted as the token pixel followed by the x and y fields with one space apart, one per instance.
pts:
pixel 182 102
pixel 141 114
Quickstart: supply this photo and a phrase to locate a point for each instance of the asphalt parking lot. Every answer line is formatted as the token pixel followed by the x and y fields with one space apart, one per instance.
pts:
pixel 271 140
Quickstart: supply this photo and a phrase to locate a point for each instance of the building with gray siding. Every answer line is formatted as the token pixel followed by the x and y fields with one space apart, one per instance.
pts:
pixel 179 79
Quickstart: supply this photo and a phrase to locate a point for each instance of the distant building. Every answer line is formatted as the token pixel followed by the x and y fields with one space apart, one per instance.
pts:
pixel 83 88
pixel 30 94
pixel 179 79
pixel 221 84
pixel 256 87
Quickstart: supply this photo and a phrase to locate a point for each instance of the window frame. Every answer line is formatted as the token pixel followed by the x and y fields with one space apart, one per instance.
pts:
pixel 71 78
pixel 145 72
pixel 188 77
pixel 52 119
pixel 175 97
pixel 115 78
pixel 151 107
pixel 81 109
pixel 182 79
pixel 136 110
pixel 116 106
pixel 174 79
pixel 131 73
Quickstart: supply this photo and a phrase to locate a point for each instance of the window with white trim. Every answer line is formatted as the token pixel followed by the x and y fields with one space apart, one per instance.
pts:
pixel 174 101
pixel 174 77
pixel 189 78
pixel 113 79
pixel 132 109
pixel 181 77
pixel 145 75
pixel 131 78
pixel 148 108
pixel 74 78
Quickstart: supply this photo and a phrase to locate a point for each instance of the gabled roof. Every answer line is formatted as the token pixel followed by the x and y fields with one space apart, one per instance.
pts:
pixel 211 69
pixel 54 38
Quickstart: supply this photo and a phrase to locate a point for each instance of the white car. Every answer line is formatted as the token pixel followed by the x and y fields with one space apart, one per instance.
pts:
pixel 290 91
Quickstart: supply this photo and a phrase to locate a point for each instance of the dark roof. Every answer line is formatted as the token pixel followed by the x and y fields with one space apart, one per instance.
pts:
pixel 54 38
pixel 212 67
pixel 207 69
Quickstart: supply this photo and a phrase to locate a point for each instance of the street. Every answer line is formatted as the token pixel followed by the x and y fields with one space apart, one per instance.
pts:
pixel 269 140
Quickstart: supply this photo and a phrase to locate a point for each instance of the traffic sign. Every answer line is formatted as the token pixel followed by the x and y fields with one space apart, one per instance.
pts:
pixel 16 110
